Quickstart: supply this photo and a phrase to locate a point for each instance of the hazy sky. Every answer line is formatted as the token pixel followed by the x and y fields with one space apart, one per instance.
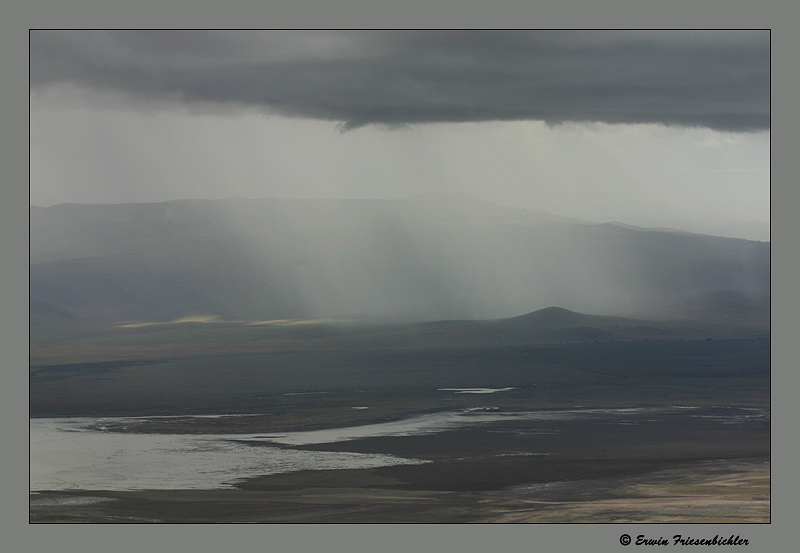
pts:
pixel 640 127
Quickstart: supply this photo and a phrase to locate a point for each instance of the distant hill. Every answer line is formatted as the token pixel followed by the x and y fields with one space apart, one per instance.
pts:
pixel 551 317
pixel 432 257
pixel 555 325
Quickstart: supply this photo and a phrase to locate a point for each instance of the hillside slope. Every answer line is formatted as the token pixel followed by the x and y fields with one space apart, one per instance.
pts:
pixel 426 258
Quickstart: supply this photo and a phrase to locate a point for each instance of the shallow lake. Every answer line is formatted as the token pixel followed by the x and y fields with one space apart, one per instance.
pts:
pixel 87 454
pixel 73 454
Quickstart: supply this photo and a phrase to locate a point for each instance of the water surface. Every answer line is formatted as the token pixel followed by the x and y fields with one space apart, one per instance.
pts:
pixel 96 454
pixel 75 454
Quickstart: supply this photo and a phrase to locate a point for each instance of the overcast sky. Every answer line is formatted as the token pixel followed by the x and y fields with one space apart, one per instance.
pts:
pixel 646 127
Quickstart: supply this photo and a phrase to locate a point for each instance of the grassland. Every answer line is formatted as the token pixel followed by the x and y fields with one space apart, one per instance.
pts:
pixel 236 368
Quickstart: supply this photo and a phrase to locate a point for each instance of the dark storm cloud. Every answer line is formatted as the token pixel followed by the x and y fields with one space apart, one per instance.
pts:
pixel 717 79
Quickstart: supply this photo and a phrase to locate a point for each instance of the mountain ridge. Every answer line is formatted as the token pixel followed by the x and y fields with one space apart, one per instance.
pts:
pixel 411 259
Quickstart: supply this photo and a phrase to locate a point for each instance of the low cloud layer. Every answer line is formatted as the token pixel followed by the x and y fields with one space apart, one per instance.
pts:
pixel 715 79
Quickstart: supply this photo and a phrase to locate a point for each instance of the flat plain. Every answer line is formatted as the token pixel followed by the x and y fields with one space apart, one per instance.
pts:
pixel 688 439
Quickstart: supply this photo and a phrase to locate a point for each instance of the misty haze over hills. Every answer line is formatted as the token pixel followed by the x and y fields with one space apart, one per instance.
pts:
pixel 431 257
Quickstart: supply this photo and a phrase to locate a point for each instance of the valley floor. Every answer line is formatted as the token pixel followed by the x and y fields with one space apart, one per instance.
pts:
pixel 706 460
pixel 734 491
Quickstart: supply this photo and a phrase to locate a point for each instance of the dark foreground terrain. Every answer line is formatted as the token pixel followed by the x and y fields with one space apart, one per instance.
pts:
pixel 736 491
pixel 707 463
